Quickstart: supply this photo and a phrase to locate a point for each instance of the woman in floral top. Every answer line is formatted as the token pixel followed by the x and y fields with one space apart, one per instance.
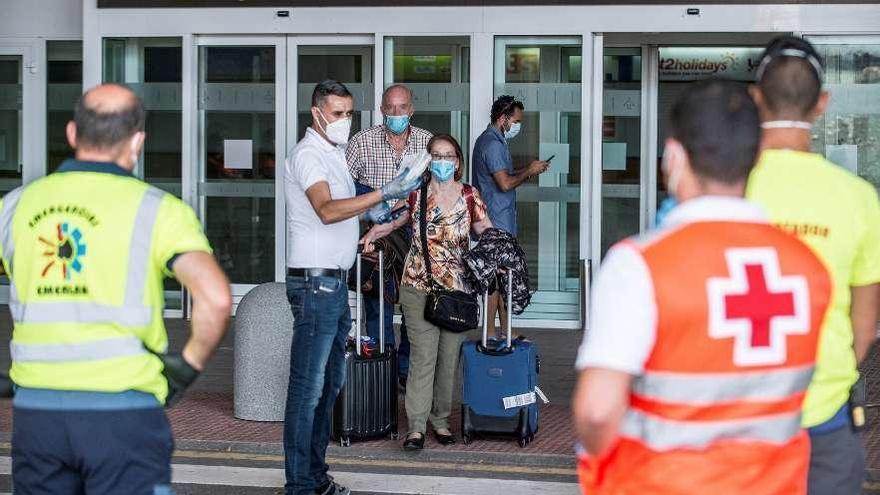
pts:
pixel 451 218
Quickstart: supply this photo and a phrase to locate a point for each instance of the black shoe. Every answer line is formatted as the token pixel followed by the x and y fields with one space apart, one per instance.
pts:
pixel 332 488
pixel 412 444
pixel 444 439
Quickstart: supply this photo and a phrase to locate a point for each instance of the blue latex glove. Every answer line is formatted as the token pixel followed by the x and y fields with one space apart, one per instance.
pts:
pixel 379 214
pixel 382 213
pixel 412 167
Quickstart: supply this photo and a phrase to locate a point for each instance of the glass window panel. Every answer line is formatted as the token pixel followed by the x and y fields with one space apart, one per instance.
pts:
pixel 849 132
pixel 621 145
pixel 63 88
pixel 437 70
pixel 237 111
pixel 545 74
pixel 152 67
pixel 350 65
pixel 680 65
pixel 11 153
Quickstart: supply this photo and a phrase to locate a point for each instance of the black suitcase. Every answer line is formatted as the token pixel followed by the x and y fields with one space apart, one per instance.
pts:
pixel 367 404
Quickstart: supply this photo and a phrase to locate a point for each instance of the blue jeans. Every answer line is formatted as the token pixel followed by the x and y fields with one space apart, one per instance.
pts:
pixel 322 320
pixel 371 310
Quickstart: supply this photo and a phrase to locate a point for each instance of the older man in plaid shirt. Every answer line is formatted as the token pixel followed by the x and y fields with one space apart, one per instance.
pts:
pixel 374 155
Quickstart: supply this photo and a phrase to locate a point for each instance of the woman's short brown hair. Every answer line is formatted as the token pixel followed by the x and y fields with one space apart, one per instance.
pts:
pixel 459 172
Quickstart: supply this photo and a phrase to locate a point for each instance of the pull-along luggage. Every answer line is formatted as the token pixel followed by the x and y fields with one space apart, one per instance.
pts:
pixel 367 404
pixel 499 384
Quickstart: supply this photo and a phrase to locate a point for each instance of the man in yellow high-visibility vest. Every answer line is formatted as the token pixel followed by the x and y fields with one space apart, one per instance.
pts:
pixel 86 249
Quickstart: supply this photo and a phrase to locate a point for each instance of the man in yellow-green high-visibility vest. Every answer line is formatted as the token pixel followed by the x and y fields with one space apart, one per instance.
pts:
pixel 86 249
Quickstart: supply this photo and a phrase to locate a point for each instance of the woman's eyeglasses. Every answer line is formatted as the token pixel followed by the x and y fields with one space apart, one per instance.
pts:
pixel 438 156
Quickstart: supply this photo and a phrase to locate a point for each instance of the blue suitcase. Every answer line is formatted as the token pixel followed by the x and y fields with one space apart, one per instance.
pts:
pixel 498 387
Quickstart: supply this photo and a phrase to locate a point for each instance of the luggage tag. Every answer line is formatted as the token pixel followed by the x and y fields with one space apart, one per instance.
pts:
pixel 519 400
pixel 541 394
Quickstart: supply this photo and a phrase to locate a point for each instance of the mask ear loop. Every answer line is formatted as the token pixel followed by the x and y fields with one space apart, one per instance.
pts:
pixel 787 124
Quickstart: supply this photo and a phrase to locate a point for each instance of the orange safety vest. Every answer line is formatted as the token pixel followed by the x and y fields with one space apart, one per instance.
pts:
pixel 717 409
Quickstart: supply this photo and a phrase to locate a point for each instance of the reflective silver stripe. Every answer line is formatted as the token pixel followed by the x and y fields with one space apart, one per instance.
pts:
pixel 80 351
pixel 133 312
pixel 704 388
pixel 139 252
pixel 81 312
pixel 663 434
pixel 10 203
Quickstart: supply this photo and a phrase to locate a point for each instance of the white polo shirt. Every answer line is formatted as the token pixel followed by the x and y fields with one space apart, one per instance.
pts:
pixel 623 311
pixel 310 243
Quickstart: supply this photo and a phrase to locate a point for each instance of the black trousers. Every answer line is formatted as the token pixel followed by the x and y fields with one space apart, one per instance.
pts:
pixel 91 452
pixel 837 463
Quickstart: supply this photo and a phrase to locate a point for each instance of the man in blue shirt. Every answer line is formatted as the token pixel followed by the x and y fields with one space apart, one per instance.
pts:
pixel 496 178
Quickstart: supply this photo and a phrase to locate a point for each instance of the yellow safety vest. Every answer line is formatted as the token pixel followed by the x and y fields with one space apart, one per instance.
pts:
pixel 86 249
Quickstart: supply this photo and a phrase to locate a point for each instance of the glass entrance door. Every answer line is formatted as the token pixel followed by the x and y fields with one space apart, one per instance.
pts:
pixel 545 74
pixel 12 145
pixel 16 151
pixel 241 103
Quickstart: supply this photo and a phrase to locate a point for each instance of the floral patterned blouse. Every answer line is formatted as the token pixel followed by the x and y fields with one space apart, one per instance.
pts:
pixel 448 239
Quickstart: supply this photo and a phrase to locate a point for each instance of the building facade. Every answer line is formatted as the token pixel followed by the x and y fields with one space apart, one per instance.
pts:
pixel 227 86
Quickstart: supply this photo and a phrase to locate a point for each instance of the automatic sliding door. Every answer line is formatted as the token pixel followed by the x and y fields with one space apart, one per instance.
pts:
pixel 239 86
pixel 545 74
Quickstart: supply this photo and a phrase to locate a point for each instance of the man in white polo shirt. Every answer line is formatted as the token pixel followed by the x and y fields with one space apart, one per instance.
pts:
pixel 322 236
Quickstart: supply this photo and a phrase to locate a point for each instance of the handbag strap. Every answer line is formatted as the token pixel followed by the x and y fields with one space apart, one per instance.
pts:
pixel 423 230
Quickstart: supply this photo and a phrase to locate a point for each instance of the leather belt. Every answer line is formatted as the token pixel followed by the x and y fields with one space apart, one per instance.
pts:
pixel 318 272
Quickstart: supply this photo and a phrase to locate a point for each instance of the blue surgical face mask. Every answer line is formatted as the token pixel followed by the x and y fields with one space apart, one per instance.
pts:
pixel 514 130
pixel 397 124
pixel 443 170
pixel 666 206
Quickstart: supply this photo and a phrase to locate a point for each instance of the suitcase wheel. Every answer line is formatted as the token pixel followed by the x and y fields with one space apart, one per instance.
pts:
pixel 467 439
pixel 345 441
pixel 395 435
pixel 524 441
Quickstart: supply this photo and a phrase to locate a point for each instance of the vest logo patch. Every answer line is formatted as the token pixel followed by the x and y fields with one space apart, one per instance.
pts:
pixel 757 306
pixel 64 251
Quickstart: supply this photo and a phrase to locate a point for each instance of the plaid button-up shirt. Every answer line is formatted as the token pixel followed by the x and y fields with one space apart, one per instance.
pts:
pixel 372 159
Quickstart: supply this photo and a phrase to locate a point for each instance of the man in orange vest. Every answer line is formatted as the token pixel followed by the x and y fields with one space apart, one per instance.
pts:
pixel 702 336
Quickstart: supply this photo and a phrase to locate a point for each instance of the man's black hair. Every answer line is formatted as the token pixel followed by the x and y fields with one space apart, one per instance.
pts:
pixel 505 106
pixel 98 129
pixel 717 123
pixel 326 88
pixel 790 77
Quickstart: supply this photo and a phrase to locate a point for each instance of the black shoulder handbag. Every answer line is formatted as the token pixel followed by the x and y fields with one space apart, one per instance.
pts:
pixel 451 310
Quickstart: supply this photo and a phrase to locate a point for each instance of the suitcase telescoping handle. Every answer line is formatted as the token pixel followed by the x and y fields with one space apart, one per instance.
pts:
pixel 509 313
pixel 359 297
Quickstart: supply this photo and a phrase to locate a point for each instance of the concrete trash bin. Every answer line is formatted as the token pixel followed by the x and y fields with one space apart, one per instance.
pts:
pixel 263 329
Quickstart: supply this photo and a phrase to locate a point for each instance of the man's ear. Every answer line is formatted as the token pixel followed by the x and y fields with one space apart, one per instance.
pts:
pixel 137 142
pixel 71 134
pixel 757 96
pixel 821 106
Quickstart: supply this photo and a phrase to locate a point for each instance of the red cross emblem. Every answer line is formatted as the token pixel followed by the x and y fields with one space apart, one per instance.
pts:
pixel 757 306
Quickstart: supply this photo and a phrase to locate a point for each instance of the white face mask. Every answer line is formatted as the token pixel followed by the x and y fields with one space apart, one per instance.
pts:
pixel 337 132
